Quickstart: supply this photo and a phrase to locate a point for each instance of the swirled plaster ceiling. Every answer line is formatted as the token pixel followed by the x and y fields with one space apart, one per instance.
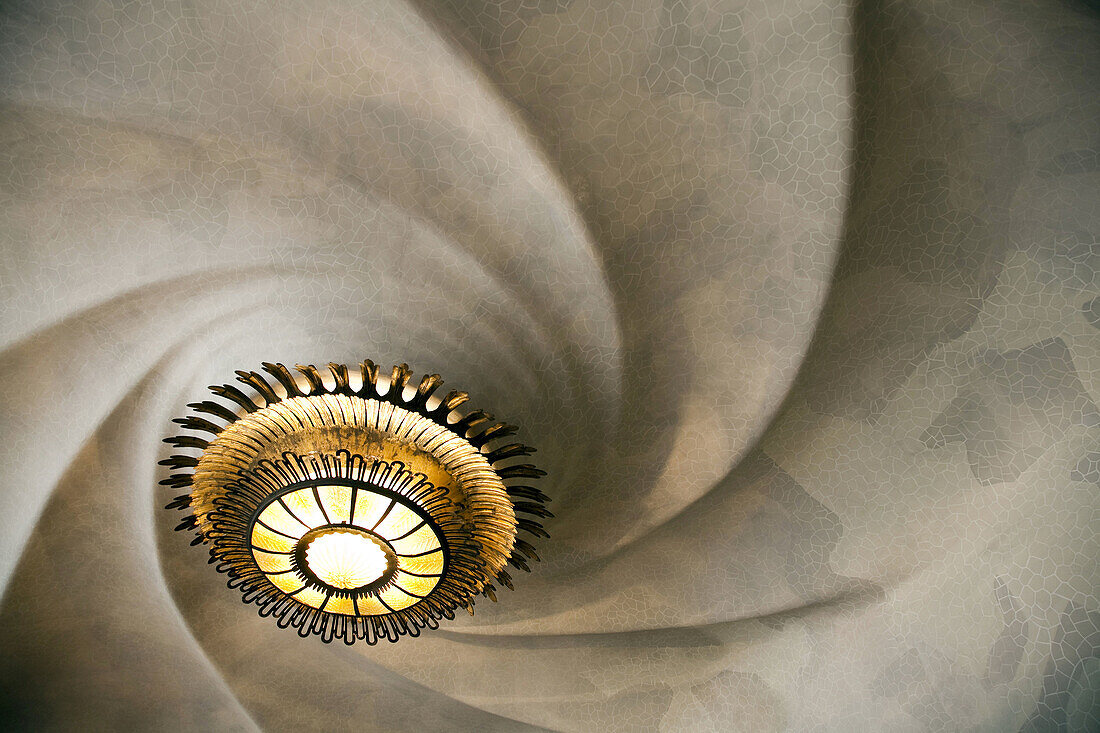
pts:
pixel 798 300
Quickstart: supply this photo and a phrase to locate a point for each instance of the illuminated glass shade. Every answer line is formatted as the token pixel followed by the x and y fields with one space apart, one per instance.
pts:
pixel 355 513
pixel 373 549
pixel 344 559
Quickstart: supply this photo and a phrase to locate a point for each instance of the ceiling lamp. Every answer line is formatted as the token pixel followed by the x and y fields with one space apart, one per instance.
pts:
pixel 364 512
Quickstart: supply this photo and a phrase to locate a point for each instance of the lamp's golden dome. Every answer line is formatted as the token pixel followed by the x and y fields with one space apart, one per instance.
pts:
pixel 355 513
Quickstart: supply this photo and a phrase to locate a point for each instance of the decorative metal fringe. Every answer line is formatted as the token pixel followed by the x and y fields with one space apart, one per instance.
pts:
pixel 229 520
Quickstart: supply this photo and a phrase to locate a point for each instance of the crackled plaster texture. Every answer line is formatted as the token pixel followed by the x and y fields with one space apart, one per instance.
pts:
pixel 798 300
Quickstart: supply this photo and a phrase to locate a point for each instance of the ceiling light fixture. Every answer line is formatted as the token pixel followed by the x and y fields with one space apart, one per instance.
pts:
pixel 365 512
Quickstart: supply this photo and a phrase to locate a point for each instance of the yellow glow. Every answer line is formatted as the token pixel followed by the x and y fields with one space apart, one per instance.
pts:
pixel 397 599
pixel 345 606
pixel 422 540
pixel 337 501
pixel 303 505
pixel 399 521
pixel 270 563
pixel 370 606
pixel 369 507
pixel 276 517
pixel 268 540
pixel 414 584
pixel 346 559
pixel 287 582
pixel 311 597
pixel 431 564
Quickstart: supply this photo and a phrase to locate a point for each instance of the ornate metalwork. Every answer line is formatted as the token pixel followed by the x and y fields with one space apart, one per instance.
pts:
pixel 354 513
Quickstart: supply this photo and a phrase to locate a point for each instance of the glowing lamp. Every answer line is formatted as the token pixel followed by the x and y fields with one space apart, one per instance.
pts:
pixel 354 512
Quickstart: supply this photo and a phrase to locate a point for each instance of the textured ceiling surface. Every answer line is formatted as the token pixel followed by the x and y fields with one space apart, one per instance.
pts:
pixel 799 301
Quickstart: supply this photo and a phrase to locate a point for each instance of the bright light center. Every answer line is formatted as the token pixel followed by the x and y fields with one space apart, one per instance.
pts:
pixel 346 560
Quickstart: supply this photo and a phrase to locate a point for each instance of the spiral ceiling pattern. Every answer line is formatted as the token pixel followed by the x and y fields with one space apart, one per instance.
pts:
pixel 799 302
